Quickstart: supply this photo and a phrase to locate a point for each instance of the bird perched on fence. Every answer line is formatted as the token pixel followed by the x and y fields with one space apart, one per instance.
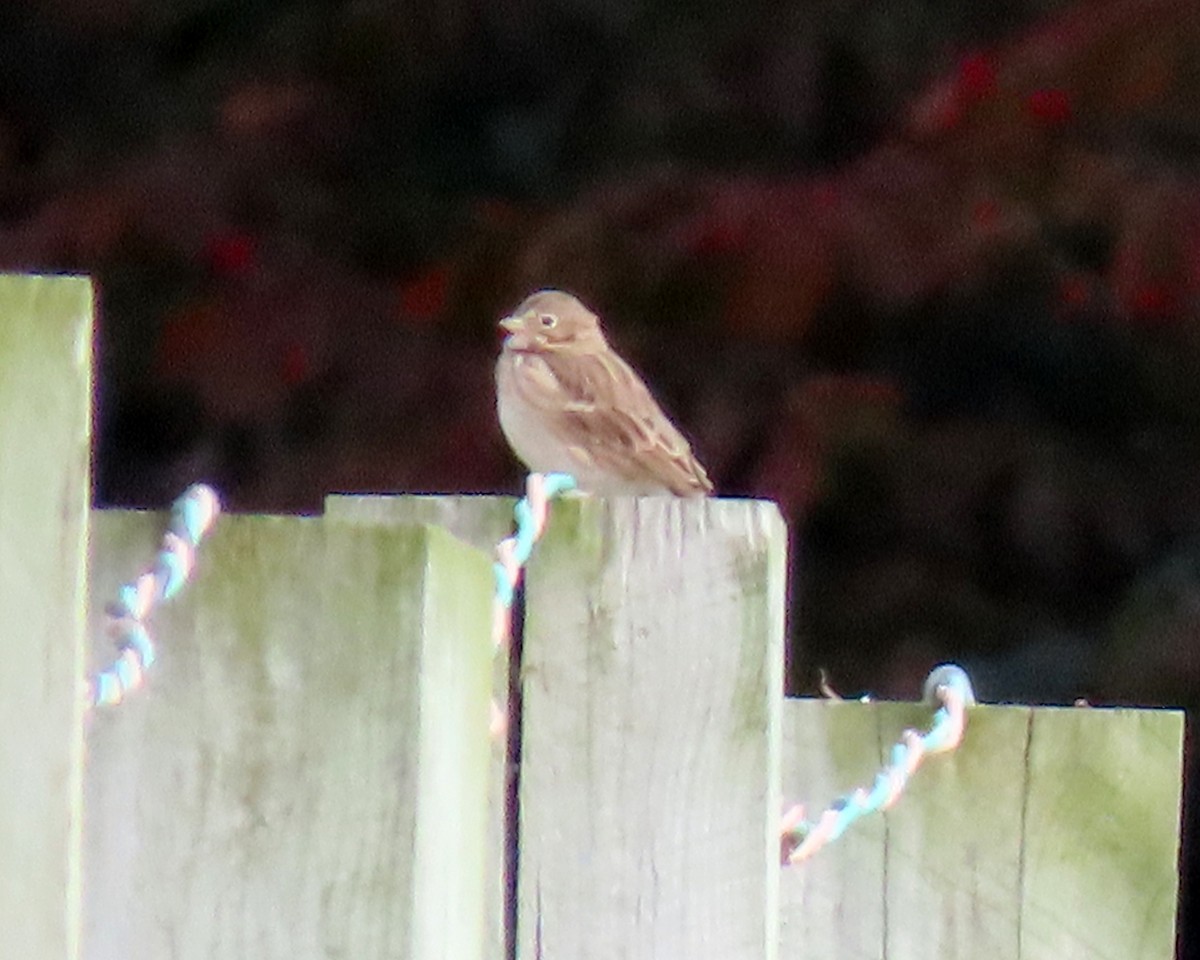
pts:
pixel 568 403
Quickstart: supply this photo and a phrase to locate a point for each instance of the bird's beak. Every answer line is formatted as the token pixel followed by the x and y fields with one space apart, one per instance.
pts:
pixel 512 324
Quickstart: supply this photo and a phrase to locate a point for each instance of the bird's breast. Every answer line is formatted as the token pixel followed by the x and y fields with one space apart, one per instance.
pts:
pixel 528 426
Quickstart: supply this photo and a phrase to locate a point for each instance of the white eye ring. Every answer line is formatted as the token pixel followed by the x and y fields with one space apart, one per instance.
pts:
pixel 548 321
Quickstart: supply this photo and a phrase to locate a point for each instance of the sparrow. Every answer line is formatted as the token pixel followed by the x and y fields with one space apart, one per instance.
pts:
pixel 568 403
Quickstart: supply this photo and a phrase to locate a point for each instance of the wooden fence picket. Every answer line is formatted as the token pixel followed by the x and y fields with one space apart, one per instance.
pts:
pixel 1050 834
pixel 306 774
pixel 45 446
pixel 653 660
pixel 481 522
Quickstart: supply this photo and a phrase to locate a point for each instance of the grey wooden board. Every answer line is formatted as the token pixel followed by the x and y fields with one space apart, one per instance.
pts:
pixel 482 522
pixel 652 678
pixel 1048 833
pixel 1102 834
pixel 833 906
pixel 45 423
pixel 305 774
pixel 953 871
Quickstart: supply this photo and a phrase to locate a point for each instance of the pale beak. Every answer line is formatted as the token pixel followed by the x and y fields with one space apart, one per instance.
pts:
pixel 512 324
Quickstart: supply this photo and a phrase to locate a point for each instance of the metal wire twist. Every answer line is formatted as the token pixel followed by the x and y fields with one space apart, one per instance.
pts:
pixel 192 516
pixel 947 687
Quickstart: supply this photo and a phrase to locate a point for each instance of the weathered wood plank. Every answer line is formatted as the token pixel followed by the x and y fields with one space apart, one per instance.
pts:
pixel 482 522
pixel 45 425
pixel 1048 833
pixel 306 774
pixel 953 870
pixel 833 905
pixel 1102 834
pixel 652 680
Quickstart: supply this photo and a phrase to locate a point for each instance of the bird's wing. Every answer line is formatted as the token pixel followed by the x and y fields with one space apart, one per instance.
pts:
pixel 598 404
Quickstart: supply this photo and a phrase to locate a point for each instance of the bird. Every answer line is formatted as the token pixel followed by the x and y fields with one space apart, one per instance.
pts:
pixel 568 403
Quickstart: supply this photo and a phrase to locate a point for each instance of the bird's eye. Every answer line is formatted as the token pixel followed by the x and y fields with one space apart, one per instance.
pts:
pixel 548 321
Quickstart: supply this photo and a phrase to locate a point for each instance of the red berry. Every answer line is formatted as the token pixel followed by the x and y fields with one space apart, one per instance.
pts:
pixel 985 213
pixel 1073 292
pixel 977 76
pixel 1153 301
pixel 424 297
pixel 1050 107
pixel 296 364
pixel 230 254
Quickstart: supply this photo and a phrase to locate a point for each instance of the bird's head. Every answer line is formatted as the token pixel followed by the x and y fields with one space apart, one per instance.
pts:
pixel 551 320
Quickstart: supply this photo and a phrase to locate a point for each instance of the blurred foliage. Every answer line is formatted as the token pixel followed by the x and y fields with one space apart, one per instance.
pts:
pixel 925 273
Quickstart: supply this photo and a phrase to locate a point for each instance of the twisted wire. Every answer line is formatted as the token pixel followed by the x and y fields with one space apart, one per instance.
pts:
pixel 512 553
pixel 192 517
pixel 948 688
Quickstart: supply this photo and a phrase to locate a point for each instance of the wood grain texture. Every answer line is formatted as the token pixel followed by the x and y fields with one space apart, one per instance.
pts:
pixel 1049 833
pixel 652 680
pixel 305 775
pixel 482 522
pixel 833 905
pixel 45 429
pixel 1102 834
pixel 953 869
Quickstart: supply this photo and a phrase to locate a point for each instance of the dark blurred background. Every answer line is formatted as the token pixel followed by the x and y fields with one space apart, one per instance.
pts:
pixel 925 272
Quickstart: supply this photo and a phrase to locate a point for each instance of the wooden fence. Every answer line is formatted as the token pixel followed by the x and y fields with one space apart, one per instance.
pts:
pixel 308 773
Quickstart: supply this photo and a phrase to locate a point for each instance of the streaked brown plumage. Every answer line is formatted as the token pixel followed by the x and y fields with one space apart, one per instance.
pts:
pixel 568 403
